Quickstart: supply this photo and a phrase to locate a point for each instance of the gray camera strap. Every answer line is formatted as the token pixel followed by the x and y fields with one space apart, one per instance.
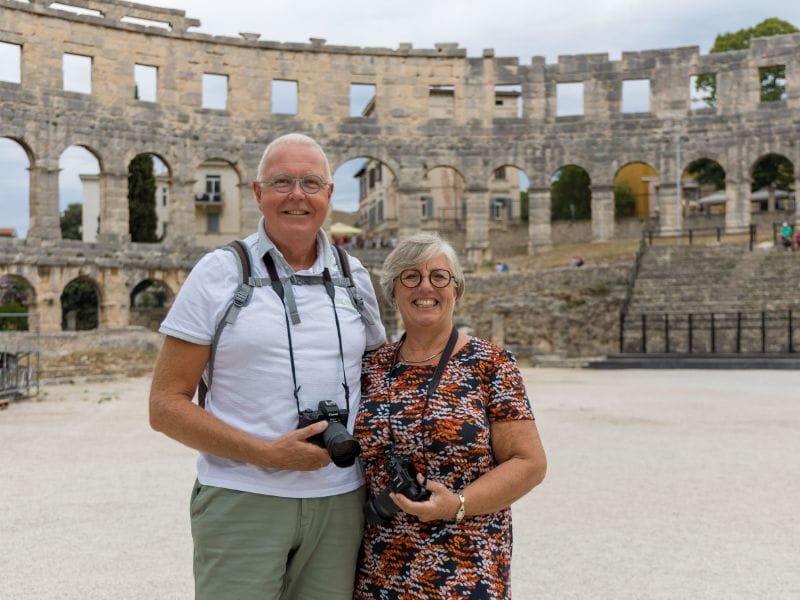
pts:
pixel 277 285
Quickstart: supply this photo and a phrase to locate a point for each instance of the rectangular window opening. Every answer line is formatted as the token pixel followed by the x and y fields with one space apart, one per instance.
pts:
pixel 284 97
pixel 441 101
pixel 146 22
pixel 426 203
pixel 362 99
pixel 215 91
pixel 75 10
pixel 508 101
pixel 772 82
pixel 569 99
pixel 212 222
pixel 77 71
pixel 703 91
pixel 10 62
pixel 146 78
pixel 636 96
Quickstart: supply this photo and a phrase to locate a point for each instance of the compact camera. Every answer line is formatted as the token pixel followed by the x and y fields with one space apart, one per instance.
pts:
pixel 341 446
pixel 403 480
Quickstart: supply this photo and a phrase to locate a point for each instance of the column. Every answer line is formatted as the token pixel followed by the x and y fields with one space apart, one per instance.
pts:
pixel 670 217
pixel 115 301
pixel 539 230
pixel 114 212
pixel 181 227
pixel 737 205
pixel 602 212
pixel 45 221
pixel 477 245
pixel 408 211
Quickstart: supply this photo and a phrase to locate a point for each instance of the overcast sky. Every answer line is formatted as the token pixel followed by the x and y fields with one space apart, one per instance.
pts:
pixel 511 27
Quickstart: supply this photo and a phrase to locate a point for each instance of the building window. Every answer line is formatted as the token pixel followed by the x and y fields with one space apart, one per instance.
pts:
pixel 362 99
pixel 380 211
pixel 77 70
pixel 569 99
pixel 284 97
pixel 212 223
pixel 500 209
pixel 508 101
pixel 702 91
pixel 773 83
pixel 146 79
pixel 10 62
pixel 636 96
pixel 214 188
pixel 371 178
pixel 215 91
pixel 379 172
pixel 164 196
pixel 500 173
pixel 426 202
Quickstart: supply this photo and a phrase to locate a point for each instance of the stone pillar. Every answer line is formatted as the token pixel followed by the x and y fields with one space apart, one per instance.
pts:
pixel 114 212
pixel 602 212
pixel 539 229
pixel 408 212
pixel 181 229
pixel 477 245
pixel 115 302
pixel 670 213
pixel 737 205
pixel 48 301
pixel 45 222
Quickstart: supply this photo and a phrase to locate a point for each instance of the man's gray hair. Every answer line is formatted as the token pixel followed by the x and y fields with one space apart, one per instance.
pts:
pixel 292 138
pixel 419 248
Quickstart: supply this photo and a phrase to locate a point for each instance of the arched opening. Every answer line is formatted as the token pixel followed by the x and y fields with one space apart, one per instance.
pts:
pixel 634 185
pixel 364 204
pixel 16 297
pixel 772 188
pixel 508 210
pixel 79 198
pixel 443 206
pixel 14 201
pixel 150 301
pixel 703 188
pixel 217 202
pixel 80 305
pixel 570 194
pixel 148 198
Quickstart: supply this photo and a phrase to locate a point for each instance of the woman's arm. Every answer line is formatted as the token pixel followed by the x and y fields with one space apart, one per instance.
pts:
pixel 521 466
pixel 172 412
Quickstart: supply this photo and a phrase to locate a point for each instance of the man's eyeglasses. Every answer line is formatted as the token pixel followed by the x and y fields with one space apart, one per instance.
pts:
pixel 283 183
pixel 439 278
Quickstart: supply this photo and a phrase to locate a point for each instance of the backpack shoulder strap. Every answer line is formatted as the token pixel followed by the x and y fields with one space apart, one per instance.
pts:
pixel 343 260
pixel 240 298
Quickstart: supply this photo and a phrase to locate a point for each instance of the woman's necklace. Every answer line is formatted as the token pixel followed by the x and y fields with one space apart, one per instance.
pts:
pixel 419 362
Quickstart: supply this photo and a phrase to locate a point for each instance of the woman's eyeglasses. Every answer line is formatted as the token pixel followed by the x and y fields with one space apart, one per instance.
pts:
pixel 439 278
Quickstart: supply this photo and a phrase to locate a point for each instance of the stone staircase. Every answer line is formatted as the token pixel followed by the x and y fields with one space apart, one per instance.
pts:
pixel 718 301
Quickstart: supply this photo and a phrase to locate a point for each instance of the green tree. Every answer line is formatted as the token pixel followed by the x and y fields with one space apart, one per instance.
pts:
pixel 71 220
pixel 142 221
pixel 523 206
pixel 13 299
pixel 80 296
pixel 624 201
pixel 773 170
pixel 707 171
pixel 571 195
pixel 740 40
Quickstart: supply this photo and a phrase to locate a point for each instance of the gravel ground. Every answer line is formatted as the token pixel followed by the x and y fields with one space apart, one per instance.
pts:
pixel 661 484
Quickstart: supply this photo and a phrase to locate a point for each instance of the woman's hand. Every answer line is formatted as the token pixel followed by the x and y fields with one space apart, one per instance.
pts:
pixel 442 504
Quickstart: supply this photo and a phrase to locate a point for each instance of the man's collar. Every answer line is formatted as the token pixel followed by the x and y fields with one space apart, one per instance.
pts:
pixel 324 251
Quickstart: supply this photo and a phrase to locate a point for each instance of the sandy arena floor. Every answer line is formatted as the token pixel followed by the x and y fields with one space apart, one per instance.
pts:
pixel 661 484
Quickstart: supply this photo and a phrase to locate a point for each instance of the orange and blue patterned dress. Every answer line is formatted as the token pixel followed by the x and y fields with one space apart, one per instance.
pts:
pixel 448 441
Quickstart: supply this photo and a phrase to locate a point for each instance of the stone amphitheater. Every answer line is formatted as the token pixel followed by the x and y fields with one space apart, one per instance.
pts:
pixel 406 131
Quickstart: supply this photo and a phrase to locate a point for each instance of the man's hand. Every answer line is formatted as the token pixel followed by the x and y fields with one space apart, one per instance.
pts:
pixel 293 452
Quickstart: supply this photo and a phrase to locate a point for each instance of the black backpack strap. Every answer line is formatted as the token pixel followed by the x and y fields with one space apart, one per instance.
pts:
pixel 344 267
pixel 240 298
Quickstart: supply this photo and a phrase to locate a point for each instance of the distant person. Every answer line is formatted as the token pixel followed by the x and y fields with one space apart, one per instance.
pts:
pixel 271 517
pixel 576 261
pixel 786 235
pixel 449 442
pixel 504 268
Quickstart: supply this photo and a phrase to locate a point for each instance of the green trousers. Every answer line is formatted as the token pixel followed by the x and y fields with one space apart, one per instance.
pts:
pixel 251 546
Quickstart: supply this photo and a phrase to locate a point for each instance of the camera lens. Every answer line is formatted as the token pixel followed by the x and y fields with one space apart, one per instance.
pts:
pixel 379 510
pixel 342 447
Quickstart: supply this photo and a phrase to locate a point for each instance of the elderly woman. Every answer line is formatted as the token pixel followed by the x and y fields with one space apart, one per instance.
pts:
pixel 448 442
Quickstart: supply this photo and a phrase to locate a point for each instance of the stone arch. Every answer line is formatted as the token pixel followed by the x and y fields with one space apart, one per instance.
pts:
pixel 15 204
pixel 150 300
pixel 442 201
pixel 80 198
pixel 635 184
pixel 508 193
pixel 80 304
pixel 17 295
pixel 571 194
pixel 703 187
pixel 772 185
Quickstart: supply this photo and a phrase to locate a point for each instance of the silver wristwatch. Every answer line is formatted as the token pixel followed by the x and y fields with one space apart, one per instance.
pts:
pixel 461 510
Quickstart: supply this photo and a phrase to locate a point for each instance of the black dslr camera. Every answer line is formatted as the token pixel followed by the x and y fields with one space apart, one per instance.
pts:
pixel 403 479
pixel 342 447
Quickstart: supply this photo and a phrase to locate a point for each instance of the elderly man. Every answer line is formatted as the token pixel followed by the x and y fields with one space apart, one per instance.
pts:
pixel 272 517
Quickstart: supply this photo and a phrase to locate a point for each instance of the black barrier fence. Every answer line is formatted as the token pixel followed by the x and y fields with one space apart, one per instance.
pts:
pixel 701 233
pixel 766 331
pixel 19 356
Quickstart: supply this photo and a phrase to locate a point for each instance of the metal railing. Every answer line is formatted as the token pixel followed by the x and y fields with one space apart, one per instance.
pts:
pixel 19 356
pixel 626 301
pixel 764 332
pixel 699 232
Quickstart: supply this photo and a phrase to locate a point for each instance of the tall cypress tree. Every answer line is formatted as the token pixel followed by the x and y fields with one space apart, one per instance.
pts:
pixel 142 220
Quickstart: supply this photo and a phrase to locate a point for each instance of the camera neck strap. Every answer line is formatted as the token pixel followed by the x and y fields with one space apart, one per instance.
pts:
pixel 277 285
pixel 433 382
